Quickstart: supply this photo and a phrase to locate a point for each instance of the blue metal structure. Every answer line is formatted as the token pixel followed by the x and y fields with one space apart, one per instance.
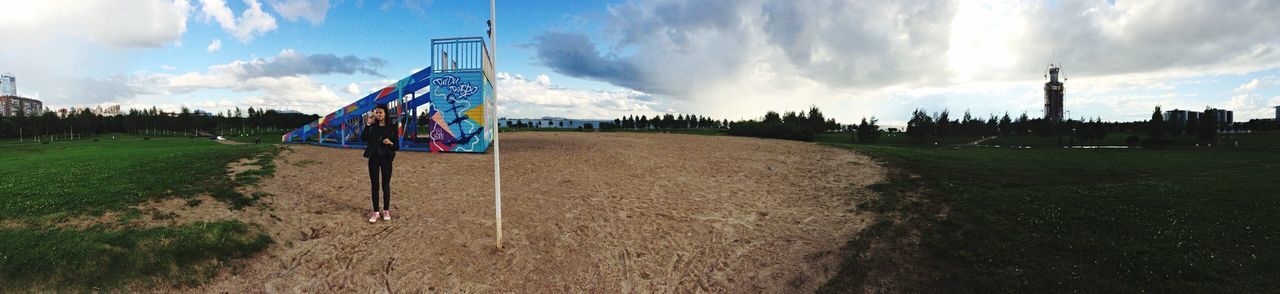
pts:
pixel 457 91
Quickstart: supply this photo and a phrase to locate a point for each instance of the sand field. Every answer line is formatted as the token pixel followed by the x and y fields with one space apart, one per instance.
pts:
pixel 582 212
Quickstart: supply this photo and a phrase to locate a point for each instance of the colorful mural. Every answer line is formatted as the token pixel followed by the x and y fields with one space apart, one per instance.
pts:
pixel 458 98
pixel 458 115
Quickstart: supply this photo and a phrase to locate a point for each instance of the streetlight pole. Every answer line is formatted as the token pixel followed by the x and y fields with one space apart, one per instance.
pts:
pixel 497 166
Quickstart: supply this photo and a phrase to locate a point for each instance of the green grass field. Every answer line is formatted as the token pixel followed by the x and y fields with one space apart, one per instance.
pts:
pixel 44 184
pixel 1054 220
pixel 1268 139
pixel 889 139
pixel 267 137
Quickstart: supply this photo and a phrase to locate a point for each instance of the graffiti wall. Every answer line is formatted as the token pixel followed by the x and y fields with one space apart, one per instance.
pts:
pixel 456 92
pixel 459 117
pixel 342 127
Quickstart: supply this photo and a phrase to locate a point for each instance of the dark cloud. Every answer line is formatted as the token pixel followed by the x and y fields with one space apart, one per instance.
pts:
pixel 676 22
pixel 678 47
pixel 575 55
pixel 669 48
pixel 88 91
pixel 874 43
pixel 291 63
pixel 1141 36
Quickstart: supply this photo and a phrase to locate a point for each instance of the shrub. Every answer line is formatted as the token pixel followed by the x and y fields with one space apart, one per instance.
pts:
pixel 772 130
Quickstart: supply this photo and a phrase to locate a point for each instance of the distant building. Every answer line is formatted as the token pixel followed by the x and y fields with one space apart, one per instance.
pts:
pixel 15 106
pixel 1053 96
pixel 1224 117
pixel 8 85
pixel 113 110
pixel 1179 117
pixel 71 111
pixel 550 122
pixel 1277 113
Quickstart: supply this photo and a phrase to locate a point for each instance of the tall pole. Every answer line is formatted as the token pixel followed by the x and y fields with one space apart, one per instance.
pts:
pixel 497 167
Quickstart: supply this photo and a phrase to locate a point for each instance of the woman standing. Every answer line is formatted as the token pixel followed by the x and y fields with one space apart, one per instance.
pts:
pixel 380 138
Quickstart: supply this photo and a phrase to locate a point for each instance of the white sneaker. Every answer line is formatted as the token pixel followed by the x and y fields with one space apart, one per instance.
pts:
pixel 386 215
pixel 374 217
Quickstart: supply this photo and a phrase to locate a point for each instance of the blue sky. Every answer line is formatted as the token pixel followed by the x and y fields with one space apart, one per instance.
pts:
pixel 603 59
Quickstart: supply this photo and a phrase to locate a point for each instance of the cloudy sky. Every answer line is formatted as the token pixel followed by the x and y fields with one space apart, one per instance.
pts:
pixel 723 58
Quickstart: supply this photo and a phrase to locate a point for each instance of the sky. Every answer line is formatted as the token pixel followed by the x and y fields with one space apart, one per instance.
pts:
pixel 733 59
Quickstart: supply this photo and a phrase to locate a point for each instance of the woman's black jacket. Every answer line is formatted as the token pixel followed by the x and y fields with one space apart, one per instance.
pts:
pixel 372 137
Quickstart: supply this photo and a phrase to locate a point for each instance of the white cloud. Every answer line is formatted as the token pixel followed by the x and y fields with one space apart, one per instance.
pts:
pixel 524 98
pixel 281 82
pixel 214 46
pixel 252 21
pixel 289 62
pixel 144 23
pixel 300 93
pixel 740 58
pixel 1250 86
pixel 1256 84
pixel 353 89
pixel 1251 106
pixel 313 11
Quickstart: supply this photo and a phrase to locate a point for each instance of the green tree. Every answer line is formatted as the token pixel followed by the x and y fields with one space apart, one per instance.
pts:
pixel 815 121
pixel 921 125
pixel 1006 124
pixel 944 124
pixel 1156 127
pixel 1208 127
pixel 868 131
pixel 772 117
pixel 791 118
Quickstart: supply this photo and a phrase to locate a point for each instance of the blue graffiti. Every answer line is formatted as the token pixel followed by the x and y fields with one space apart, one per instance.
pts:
pixel 455 86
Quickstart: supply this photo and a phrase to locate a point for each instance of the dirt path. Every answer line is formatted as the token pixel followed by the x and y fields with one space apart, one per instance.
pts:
pixel 598 212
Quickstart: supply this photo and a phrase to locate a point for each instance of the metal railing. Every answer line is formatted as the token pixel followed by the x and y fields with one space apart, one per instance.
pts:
pixel 461 54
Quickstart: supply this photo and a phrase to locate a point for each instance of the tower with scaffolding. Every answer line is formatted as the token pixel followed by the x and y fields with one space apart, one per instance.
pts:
pixel 1053 94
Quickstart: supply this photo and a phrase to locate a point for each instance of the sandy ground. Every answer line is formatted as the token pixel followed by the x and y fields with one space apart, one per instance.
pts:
pixel 582 212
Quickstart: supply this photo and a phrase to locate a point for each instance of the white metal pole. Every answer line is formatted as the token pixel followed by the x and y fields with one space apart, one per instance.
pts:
pixel 497 166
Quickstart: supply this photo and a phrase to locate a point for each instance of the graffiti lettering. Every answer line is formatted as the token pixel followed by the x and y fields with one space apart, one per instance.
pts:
pixel 455 86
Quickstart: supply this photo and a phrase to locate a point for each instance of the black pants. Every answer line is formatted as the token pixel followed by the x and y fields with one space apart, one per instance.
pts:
pixel 383 164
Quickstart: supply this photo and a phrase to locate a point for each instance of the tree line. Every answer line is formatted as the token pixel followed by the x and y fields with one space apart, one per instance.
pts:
pixel 1204 127
pixel 665 121
pixel 81 123
pixel 936 127
pixel 790 125
pixel 925 127
pixel 801 126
